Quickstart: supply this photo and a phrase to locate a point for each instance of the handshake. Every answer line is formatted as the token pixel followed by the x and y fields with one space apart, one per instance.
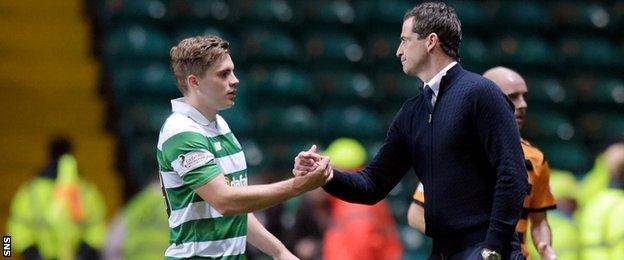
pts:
pixel 311 170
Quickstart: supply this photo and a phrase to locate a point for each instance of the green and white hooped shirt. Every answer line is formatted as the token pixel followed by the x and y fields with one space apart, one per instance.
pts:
pixel 192 151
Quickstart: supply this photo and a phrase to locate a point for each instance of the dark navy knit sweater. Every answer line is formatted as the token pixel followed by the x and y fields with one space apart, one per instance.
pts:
pixel 468 157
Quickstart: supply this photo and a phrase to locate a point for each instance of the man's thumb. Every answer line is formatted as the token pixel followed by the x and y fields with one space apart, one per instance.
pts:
pixel 312 149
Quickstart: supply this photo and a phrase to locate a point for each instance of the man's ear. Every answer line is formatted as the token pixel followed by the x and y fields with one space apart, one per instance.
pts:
pixel 192 82
pixel 432 41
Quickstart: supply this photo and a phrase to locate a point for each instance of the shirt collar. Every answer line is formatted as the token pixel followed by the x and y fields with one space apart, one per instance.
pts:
pixel 434 83
pixel 179 106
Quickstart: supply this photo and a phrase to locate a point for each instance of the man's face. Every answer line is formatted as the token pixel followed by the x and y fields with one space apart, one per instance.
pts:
pixel 516 89
pixel 217 87
pixel 412 51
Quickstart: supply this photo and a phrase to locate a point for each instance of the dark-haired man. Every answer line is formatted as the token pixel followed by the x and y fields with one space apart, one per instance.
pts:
pixel 461 139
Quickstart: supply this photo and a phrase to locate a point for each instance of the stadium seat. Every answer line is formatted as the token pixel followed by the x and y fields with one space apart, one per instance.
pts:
pixel 604 90
pixel 548 91
pixel 602 126
pixel 471 13
pixel 525 14
pixel 546 123
pixel 327 12
pixel 352 121
pixel 290 120
pixel 382 46
pixel 475 53
pixel 269 45
pixel 396 86
pixel 328 47
pixel 569 156
pixel 141 158
pixel 264 11
pixel 282 151
pixel 238 119
pixel 529 50
pixel 133 81
pixel 345 86
pixel 143 118
pixel 210 10
pixel 581 15
pixel 283 84
pixel 594 51
pixel 137 41
pixel 389 11
pixel 112 10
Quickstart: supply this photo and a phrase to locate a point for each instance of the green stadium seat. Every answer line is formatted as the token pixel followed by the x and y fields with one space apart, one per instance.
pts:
pixel 530 50
pixel 548 91
pixel 270 45
pixel 382 46
pixel 471 14
pixel 286 120
pixel 526 14
pixel 343 86
pixel 582 15
pixel 396 86
pixel 203 10
pixel 144 118
pixel 475 54
pixel 283 84
pixel 594 51
pixel 141 158
pixel 282 151
pixel 238 119
pixel 136 41
pixel 327 12
pixel 351 121
pixel 110 10
pixel 132 81
pixel 390 11
pixel 602 126
pixel 544 123
pixel 601 90
pixel 256 155
pixel 264 11
pixel 329 47
pixel 569 156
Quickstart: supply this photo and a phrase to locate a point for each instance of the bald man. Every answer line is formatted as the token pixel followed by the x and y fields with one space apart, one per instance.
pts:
pixel 539 199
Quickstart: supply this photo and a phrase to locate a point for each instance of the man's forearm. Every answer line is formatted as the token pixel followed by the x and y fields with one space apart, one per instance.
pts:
pixel 541 234
pixel 238 200
pixel 262 239
pixel 352 187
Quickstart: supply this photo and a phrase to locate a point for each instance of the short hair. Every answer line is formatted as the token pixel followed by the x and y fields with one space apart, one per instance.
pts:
pixel 441 19
pixel 194 56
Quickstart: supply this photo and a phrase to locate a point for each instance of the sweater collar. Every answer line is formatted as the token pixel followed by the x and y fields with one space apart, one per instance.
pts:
pixel 451 75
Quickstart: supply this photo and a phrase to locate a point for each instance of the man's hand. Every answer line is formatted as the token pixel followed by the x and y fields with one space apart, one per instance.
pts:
pixel 546 251
pixel 306 162
pixel 317 177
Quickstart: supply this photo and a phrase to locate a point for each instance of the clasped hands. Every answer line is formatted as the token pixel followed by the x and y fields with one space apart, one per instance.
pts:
pixel 311 170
